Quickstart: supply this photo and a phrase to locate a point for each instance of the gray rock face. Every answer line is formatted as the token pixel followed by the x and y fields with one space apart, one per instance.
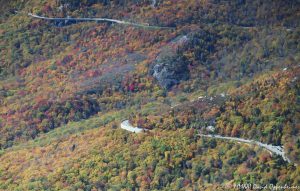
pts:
pixel 170 67
pixel 170 70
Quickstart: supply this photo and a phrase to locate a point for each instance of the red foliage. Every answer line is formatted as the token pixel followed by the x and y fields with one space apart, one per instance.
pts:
pixel 131 87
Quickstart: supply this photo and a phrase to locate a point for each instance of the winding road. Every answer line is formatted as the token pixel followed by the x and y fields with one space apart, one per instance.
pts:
pixel 127 126
pixel 98 19
pixel 278 150
pixel 273 149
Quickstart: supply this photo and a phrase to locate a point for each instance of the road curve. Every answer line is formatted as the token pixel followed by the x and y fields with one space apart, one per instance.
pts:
pixel 97 19
pixel 278 150
pixel 127 126
pixel 273 149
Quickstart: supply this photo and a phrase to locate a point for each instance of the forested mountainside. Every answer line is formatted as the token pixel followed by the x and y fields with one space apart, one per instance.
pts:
pixel 65 87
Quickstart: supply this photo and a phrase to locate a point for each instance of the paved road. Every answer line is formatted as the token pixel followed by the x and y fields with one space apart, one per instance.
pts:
pixel 273 149
pixel 127 126
pixel 98 19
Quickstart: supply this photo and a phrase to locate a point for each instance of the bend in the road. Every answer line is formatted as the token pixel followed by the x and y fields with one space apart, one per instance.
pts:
pixel 274 149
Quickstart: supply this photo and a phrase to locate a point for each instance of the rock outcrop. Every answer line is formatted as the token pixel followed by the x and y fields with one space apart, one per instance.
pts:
pixel 170 67
pixel 170 70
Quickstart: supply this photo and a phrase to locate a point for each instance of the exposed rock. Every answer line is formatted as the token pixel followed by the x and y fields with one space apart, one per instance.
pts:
pixel 170 66
pixel 170 70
